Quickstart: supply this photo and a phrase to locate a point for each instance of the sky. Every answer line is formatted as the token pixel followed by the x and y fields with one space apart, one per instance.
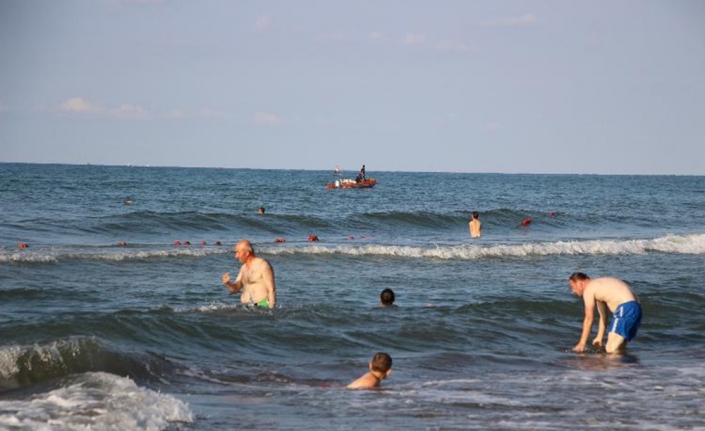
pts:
pixel 591 87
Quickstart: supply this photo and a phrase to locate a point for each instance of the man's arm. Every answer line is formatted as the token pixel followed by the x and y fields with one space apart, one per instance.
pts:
pixel 268 277
pixel 587 322
pixel 235 286
pixel 602 325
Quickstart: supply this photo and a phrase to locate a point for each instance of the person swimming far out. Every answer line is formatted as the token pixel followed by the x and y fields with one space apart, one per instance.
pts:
pixel 380 367
pixel 386 298
pixel 261 210
pixel 475 225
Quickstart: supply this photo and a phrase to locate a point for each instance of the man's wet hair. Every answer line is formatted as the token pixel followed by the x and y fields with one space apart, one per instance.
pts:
pixel 578 276
pixel 381 362
pixel 387 297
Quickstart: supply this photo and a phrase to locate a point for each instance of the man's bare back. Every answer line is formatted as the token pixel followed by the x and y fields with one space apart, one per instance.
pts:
pixel 612 291
pixel 475 226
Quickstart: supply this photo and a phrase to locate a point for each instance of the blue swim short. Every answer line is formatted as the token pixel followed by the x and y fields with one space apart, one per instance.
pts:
pixel 626 320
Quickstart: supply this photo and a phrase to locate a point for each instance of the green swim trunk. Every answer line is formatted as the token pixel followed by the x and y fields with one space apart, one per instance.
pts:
pixel 263 303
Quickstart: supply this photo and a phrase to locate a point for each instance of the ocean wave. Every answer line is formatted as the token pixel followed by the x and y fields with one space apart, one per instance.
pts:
pixel 54 255
pixel 677 244
pixel 96 400
pixel 23 365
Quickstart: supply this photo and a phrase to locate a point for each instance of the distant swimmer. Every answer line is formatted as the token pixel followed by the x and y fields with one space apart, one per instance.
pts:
pixel 475 225
pixel 380 367
pixel 261 210
pixel 255 280
pixel 127 201
pixel 611 294
pixel 386 298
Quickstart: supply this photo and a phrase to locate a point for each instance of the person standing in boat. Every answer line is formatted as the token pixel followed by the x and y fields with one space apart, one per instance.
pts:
pixel 362 173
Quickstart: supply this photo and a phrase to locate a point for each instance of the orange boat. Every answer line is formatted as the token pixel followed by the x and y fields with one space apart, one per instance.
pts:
pixel 347 183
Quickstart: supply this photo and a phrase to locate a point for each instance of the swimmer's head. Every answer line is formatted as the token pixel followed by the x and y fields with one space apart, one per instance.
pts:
pixel 387 297
pixel 577 281
pixel 243 250
pixel 381 362
pixel 475 214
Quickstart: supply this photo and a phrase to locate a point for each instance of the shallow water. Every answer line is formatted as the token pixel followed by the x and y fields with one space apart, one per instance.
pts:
pixel 146 337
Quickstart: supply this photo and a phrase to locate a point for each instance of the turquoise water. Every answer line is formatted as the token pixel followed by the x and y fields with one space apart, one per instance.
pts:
pixel 144 336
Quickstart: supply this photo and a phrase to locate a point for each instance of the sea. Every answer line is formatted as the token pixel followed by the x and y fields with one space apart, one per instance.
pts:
pixel 113 315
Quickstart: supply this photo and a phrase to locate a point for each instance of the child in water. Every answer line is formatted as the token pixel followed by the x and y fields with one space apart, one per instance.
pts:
pixel 380 367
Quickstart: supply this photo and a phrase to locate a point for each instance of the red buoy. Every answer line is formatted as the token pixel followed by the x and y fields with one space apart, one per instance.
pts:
pixel 280 240
pixel 527 221
pixel 177 242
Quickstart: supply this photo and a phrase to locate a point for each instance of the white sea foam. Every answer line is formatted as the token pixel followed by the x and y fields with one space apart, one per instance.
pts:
pixel 8 361
pixel 686 244
pixel 210 308
pixel 676 244
pixel 95 401
pixel 54 255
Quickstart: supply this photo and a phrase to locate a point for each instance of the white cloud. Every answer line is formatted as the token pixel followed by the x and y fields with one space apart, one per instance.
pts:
pixel 131 112
pixel 450 46
pixel 262 22
pixel 79 105
pixel 333 37
pixel 512 21
pixel 376 37
pixel 212 113
pixel 414 39
pixel 176 113
pixel 265 118
pixel 492 127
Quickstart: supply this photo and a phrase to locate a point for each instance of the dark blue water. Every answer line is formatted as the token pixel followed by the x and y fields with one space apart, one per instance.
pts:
pixel 144 336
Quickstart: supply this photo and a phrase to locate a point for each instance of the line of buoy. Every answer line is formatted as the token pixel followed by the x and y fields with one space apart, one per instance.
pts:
pixel 178 243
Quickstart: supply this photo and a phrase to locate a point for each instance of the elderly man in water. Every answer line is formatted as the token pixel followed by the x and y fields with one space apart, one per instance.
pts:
pixel 255 282
pixel 607 293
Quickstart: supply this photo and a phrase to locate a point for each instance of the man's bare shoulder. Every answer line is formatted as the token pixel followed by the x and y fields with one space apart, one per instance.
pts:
pixel 606 282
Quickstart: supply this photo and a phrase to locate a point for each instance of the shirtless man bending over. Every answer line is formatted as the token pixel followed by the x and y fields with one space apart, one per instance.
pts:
pixel 255 280
pixel 607 293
